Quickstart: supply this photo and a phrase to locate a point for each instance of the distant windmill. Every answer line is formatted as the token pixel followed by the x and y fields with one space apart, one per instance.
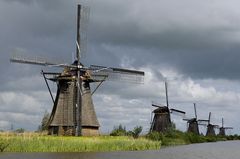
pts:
pixel 211 127
pixel 222 129
pixel 162 119
pixel 73 110
pixel 193 123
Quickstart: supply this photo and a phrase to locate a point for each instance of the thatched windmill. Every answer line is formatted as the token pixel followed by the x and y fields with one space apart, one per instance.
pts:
pixel 162 119
pixel 73 110
pixel 222 129
pixel 193 123
pixel 211 127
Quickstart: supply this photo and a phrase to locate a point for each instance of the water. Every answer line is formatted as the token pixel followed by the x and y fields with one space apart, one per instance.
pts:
pixel 219 150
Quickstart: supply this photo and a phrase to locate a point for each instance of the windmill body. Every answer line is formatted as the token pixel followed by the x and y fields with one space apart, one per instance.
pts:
pixel 63 117
pixel 161 120
pixel 193 126
pixel 222 131
pixel 210 130
pixel 73 110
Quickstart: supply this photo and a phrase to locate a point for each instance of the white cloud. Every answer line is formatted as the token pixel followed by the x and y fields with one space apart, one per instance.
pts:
pixel 131 104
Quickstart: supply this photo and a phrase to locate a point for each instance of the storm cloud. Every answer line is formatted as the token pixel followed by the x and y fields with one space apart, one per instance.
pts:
pixel 192 44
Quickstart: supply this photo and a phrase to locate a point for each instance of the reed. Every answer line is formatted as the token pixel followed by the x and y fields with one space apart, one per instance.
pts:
pixel 34 142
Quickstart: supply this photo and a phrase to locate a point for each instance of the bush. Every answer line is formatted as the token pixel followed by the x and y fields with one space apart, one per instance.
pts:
pixel 135 132
pixel 20 130
pixel 155 136
pixel 194 138
pixel 3 144
pixel 119 131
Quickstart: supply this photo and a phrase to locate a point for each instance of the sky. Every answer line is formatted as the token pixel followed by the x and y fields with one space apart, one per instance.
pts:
pixel 194 45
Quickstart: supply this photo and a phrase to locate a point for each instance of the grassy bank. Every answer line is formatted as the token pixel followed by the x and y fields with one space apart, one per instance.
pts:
pixel 33 142
pixel 176 137
pixel 37 142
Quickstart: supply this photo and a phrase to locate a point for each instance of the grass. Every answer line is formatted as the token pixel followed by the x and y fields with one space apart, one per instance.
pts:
pixel 37 142
pixel 34 142
pixel 176 137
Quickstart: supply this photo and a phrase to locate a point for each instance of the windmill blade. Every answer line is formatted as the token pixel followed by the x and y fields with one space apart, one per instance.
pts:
pixel 118 74
pixel 166 92
pixel 209 117
pixel 158 105
pixel 216 126
pixel 195 110
pixel 188 119
pixel 178 112
pixel 228 127
pixel 38 61
pixel 203 122
pixel 82 27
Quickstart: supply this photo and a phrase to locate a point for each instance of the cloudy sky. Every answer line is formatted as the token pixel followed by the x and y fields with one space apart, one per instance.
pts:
pixel 193 44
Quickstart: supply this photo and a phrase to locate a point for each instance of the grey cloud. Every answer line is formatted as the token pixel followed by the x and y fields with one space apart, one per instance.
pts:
pixel 197 39
pixel 19 1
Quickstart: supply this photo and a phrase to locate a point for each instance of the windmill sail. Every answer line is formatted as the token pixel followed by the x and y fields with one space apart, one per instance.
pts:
pixel 99 72
pixel 17 58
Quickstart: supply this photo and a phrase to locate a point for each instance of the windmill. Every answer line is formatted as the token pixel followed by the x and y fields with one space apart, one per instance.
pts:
pixel 162 119
pixel 73 110
pixel 193 123
pixel 210 127
pixel 222 129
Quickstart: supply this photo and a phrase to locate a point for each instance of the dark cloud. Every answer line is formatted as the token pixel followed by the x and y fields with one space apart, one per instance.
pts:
pixel 196 40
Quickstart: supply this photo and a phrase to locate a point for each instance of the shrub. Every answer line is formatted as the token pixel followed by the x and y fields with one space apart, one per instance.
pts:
pixel 155 136
pixel 135 132
pixel 194 138
pixel 3 144
pixel 20 130
pixel 119 131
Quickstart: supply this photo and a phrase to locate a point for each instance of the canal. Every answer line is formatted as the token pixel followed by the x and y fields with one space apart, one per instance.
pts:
pixel 217 150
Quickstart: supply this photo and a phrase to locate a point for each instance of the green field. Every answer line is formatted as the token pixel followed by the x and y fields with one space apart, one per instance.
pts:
pixel 34 142
pixel 40 142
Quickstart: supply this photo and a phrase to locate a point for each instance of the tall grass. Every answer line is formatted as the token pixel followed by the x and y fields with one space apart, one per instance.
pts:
pixel 42 143
pixel 176 137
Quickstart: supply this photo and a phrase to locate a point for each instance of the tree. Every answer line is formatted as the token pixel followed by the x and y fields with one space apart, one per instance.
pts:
pixel 20 130
pixel 136 132
pixel 44 122
pixel 119 131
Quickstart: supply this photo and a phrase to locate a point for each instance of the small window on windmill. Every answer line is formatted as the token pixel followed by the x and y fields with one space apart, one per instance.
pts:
pixel 65 87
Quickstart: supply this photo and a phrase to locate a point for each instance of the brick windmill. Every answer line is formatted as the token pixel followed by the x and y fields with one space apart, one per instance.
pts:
pixel 222 130
pixel 73 110
pixel 162 119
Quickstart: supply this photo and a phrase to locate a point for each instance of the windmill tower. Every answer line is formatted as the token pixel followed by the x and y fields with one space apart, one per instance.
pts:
pixel 73 111
pixel 162 119
pixel 210 127
pixel 222 129
pixel 193 123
